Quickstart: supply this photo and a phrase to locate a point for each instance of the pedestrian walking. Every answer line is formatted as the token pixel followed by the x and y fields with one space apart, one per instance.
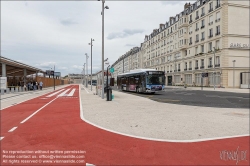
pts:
pixel 41 85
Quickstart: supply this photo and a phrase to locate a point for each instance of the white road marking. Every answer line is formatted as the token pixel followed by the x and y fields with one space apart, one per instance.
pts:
pixel 153 139
pixel 14 128
pixel 63 93
pixel 55 93
pixel 1 138
pixel 38 110
pixel 87 164
pixel 72 92
pixel 85 89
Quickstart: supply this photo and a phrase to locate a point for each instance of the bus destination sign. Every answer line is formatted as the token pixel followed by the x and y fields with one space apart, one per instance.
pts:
pixel 155 72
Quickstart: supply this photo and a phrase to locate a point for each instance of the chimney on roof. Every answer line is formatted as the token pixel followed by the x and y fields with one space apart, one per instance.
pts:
pixel 187 5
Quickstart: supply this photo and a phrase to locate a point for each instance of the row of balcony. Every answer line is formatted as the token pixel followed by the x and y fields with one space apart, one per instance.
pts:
pixel 196 68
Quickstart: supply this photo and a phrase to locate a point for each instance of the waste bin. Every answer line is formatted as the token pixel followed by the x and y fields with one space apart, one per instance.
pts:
pixel 109 94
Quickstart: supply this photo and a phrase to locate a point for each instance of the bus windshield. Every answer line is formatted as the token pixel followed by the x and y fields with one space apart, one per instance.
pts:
pixel 156 79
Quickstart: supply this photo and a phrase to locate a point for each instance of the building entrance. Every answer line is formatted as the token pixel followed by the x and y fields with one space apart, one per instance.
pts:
pixel 169 80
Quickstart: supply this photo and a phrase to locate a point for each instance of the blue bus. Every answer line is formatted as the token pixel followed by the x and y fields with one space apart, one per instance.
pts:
pixel 142 81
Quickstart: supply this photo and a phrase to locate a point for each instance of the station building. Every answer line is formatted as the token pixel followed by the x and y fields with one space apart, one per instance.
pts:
pixel 207 38
pixel 15 74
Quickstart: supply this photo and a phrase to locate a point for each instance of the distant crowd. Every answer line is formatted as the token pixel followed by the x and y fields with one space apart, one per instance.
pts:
pixel 33 86
pixel 30 85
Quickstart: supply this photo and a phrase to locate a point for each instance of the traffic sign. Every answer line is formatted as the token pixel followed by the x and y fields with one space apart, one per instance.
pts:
pixel 112 70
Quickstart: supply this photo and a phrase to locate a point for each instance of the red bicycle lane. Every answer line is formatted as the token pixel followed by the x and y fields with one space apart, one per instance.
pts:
pixel 12 116
pixel 59 127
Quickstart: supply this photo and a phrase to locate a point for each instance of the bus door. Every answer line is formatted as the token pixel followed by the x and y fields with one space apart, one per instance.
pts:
pixel 143 83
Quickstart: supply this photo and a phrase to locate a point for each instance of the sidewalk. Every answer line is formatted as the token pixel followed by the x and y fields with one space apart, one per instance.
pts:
pixel 236 90
pixel 141 117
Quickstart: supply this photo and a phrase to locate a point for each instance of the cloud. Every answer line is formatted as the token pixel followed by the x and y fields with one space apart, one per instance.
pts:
pixel 174 2
pixel 130 45
pixel 77 67
pixel 47 65
pixel 124 33
pixel 68 21
pixel 62 68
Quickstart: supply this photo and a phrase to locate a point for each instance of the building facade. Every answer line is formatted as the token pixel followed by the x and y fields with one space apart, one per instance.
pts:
pixel 208 38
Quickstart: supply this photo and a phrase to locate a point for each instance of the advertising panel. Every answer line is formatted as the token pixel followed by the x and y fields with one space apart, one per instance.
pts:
pixel 3 81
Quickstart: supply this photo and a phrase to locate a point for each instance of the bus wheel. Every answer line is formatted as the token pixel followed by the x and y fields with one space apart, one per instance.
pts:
pixel 137 90
pixel 152 93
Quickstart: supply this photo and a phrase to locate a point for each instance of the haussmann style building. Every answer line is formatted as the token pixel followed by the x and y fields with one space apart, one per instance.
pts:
pixel 205 44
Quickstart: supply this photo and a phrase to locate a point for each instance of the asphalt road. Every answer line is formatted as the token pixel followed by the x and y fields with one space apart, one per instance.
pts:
pixel 199 98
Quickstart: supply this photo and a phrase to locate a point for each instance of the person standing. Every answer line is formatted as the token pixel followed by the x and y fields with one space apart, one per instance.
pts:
pixel 41 85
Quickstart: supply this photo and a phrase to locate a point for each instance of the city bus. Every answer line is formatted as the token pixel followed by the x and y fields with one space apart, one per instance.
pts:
pixel 142 81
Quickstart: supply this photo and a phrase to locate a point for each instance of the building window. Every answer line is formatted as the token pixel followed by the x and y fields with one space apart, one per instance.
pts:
pixel 217 30
pixel 196 50
pixel 210 61
pixel 217 44
pixel 188 78
pixel 202 62
pixel 202 35
pixel 203 11
pixel 179 67
pixel 186 65
pixel 190 40
pixel 217 15
pixel 197 25
pixel 196 63
pixel 217 59
pixel 190 64
pixel 197 37
pixel 217 3
pixel 210 46
pixel 210 19
pixel 211 6
pixel 202 23
pixel 202 48
pixel 197 79
pixel 211 32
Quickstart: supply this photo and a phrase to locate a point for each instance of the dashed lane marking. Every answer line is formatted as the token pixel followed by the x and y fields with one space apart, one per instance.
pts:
pixel 87 164
pixel 1 138
pixel 14 128
pixel 38 110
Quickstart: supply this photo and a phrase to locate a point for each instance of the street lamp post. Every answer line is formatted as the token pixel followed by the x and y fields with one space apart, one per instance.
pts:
pixel 87 69
pixel 233 71
pixel 214 69
pixel 106 7
pixel 91 60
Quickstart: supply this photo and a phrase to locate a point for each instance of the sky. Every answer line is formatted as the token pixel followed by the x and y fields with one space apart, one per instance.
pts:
pixel 45 34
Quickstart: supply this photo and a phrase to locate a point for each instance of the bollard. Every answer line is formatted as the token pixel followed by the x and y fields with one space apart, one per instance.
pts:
pixel 12 89
pixel 20 89
pixel 16 89
pixel 7 90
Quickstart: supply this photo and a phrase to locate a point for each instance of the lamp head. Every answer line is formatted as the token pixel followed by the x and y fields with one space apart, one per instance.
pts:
pixel 106 7
pixel 93 39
